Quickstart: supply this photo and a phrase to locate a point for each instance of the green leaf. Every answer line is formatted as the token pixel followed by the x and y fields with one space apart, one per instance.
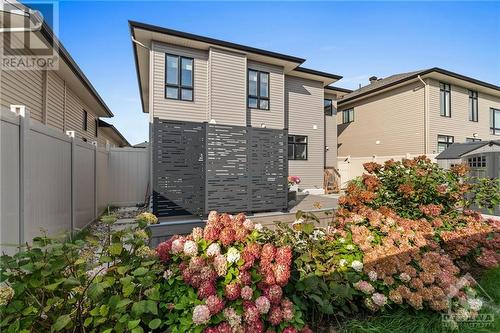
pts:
pixel 151 307
pixel 140 271
pixel 154 324
pixel 95 291
pixel 138 329
pixel 71 282
pixel 53 286
pixel 133 324
pixel 115 249
pixel 123 303
pixel 87 322
pixel 61 322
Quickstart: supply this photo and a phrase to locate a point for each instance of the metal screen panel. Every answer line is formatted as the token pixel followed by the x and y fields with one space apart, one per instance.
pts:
pixel 178 168
pixel 227 168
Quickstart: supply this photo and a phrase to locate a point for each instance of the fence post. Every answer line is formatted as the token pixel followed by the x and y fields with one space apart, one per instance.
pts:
pixel 73 186
pixel 24 131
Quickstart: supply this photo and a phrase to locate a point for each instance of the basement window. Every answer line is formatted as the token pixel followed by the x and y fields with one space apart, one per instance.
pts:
pixel 179 77
pixel 297 147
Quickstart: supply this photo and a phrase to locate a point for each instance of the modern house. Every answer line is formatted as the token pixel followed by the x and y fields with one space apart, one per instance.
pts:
pixel 61 97
pixel 230 122
pixel 420 112
pixel 109 136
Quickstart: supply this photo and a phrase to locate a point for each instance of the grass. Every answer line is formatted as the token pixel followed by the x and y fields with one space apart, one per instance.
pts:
pixel 408 321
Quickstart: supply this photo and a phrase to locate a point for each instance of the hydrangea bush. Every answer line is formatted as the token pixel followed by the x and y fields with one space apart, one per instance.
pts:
pixel 220 279
pixel 403 236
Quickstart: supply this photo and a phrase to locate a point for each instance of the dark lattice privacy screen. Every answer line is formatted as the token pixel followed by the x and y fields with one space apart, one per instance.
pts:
pixel 198 167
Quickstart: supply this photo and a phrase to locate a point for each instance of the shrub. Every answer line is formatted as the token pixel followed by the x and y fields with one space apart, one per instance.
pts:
pixel 220 279
pixel 82 285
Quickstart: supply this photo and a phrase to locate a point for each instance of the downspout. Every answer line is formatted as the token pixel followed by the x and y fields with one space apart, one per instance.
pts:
pixel 426 115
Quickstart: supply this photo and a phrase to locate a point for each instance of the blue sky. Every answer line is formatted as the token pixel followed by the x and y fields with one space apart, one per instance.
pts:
pixel 352 39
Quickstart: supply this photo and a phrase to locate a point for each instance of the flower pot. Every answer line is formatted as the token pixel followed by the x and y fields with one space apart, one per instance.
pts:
pixel 292 196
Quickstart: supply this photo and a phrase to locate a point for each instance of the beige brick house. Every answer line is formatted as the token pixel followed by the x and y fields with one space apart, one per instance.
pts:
pixel 420 112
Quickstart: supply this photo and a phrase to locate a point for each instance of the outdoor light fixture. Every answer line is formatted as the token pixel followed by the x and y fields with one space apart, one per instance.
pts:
pixel 263 125
pixel 212 121
pixel 377 142
pixel 475 135
pixel 315 126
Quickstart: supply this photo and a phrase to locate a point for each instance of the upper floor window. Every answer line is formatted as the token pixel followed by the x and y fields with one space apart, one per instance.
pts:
pixel 444 141
pixel 178 77
pixel 258 90
pixel 444 100
pixel 328 104
pixel 473 114
pixel 85 120
pixel 347 116
pixel 495 121
pixel 297 147
pixel 472 140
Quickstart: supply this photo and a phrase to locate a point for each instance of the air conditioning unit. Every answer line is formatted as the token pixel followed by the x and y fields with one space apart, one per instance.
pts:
pixel 19 110
pixel 71 134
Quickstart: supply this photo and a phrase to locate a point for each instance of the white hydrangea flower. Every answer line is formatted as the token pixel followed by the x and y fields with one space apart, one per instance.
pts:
pixel 357 265
pixel 190 248
pixel 258 227
pixel 342 262
pixel 475 304
pixel 350 247
pixel 372 275
pixel 233 255
pixel 342 240
pixel 213 250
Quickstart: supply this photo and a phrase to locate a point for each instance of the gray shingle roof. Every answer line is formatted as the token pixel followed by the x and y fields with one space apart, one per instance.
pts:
pixel 382 82
pixel 457 150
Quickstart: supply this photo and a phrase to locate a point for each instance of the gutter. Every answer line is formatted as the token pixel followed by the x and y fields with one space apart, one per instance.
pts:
pixel 426 115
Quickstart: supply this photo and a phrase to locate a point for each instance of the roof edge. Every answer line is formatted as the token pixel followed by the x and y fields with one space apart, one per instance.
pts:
pixel 316 72
pixel 339 89
pixel 138 72
pixel 104 124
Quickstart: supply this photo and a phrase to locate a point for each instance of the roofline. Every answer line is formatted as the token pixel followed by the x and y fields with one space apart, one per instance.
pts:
pixel 102 123
pixel 47 32
pixel 474 146
pixel 339 89
pixel 138 72
pixel 319 73
pixel 218 42
pixel 414 76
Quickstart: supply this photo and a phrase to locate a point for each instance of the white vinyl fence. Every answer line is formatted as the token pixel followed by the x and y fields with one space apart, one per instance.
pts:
pixel 352 167
pixel 51 181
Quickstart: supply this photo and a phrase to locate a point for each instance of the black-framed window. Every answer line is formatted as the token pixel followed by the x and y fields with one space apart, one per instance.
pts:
pixel 472 140
pixel 477 161
pixel 328 105
pixel 444 141
pixel 494 121
pixel 444 99
pixel 179 77
pixel 297 147
pixel 473 105
pixel 96 126
pixel 348 116
pixel 85 120
pixel 258 89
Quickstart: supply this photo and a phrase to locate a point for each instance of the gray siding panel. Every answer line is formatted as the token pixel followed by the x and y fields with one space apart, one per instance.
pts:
pixel 85 173
pixel 304 107
pixel 55 101
pixel 227 87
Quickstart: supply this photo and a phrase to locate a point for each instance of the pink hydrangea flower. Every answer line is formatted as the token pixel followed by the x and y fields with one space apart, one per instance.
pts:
pixel 274 294
pixel 220 265
pixel 207 288
pixel 178 246
pixel 213 250
pixel 263 304
pixel 290 329
pixel 201 314
pixel 232 317
pixel 250 312
pixel 246 293
pixel 227 236
pixel 190 248
pixel 364 286
pixel 215 304
pixel 248 224
pixel 379 299
pixel 275 316
pixel 245 278
pixel 224 327
pixel 197 233
pixel 232 291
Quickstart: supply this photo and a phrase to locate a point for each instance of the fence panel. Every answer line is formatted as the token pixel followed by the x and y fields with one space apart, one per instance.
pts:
pixel 102 169
pixel 48 181
pixel 129 176
pixel 85 178
pixel 9 183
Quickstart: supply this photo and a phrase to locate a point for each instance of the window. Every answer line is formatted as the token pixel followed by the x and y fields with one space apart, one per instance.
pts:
pixel 445 100
pixel 178 77
pixel 444 141
pixel 258 90
pixel 472 140
pixel 96 126
pixel 85 120
pixel 494 121
pixel 328 104
pixel 347 116
pixel 477 161
pixel 297 147
pixel 473 115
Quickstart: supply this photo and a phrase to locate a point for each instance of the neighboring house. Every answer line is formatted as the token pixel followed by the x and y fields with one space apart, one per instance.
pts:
pixel 420 112
pixel 239 93
pixel 144 144
pixel 483 157
pixel 63 98
pixel 109 136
